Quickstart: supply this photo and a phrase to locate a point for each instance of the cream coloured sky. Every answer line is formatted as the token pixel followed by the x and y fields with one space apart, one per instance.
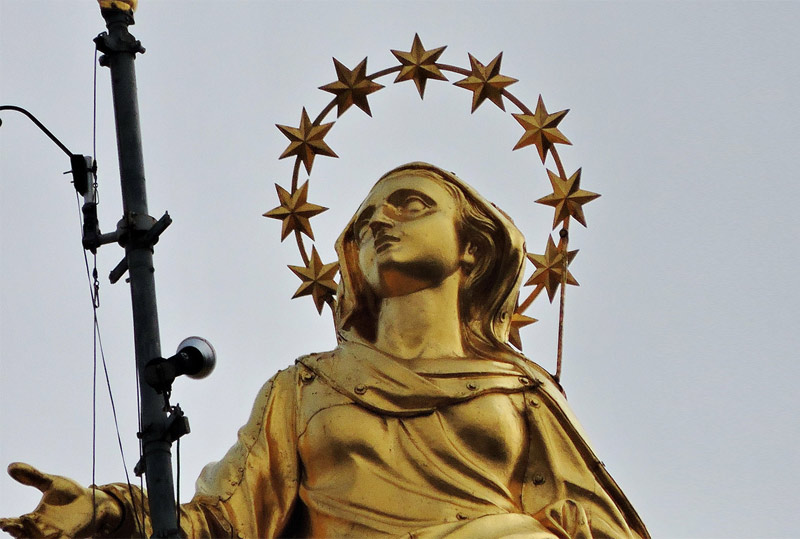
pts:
pixel 681 351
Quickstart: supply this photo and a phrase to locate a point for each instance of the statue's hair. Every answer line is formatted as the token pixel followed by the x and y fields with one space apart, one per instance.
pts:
pixel 476 304
pixel 479 300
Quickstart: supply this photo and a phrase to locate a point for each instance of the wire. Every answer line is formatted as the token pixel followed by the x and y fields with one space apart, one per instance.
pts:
pixel 141 442
pixel 94 404
pixel 139 526
pixel 94 305
pixel 178 483
pixel 94 432
pixel 98 344
pixel 94 109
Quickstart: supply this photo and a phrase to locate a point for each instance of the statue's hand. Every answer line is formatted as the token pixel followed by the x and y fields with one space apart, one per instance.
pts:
pixel 65 509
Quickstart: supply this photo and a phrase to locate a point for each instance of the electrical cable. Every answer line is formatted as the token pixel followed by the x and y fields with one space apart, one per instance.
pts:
pixel 94 305
pixel 94 292
pixel 178 483
pixel 94 109
pixel 98 344
pixel 94 408
pixel 141 446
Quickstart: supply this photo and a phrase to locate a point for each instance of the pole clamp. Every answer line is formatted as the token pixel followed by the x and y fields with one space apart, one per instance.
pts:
pixel 140 231
pixel 118 39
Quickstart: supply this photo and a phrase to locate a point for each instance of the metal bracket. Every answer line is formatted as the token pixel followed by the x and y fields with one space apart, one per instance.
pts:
pixel 140 467
pixel 92 237
pixel 177 424
pixel 119 270
pixel 125 42
pixel 141 229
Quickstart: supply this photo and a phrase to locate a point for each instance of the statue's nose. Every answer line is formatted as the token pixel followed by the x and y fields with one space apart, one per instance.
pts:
pixel 380 220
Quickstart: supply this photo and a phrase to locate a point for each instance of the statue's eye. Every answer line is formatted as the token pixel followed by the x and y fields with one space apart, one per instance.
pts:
pixel 413 205
pixel 360 228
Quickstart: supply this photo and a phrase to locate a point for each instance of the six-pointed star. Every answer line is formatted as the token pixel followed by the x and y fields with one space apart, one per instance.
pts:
pixel 306 140
pixel 540 129
pixel 318 279
pixel 485 81
pixel 352 87
pixel 518 320
pixel 550 268
pixel 567 197
pixel 295 211
pixel 419 65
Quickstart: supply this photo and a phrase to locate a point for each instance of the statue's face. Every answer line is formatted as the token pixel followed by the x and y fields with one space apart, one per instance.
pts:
pixel 406 234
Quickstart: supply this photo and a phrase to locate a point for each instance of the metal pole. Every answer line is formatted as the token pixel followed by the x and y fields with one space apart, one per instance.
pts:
pixel 120 48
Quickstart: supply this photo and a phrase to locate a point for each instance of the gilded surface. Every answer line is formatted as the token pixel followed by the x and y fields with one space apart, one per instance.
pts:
pixel 419 65
pixel 123 5
pixel 423 422
pixel 483 81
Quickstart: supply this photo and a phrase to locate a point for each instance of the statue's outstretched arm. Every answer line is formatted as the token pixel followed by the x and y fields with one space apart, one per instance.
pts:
pixel 251 491
pixel 66 509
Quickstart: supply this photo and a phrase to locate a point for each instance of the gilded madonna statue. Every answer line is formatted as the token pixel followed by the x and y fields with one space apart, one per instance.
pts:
pixel 423 422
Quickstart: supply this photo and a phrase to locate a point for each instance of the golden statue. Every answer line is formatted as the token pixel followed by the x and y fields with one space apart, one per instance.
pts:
pixel 422 423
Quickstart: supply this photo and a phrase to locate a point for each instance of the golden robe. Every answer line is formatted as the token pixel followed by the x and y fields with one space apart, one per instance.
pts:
pixel 355 443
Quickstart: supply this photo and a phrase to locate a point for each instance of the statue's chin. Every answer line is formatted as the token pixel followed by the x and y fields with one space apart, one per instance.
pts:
pixel 400 279
pixel 396 283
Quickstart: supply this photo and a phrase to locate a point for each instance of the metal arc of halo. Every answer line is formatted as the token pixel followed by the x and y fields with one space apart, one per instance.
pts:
pixel 552 150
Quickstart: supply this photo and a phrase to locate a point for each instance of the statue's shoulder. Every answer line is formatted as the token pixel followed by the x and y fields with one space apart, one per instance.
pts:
pixel 314 390
pixel 316 358
pixel 541 376
pixel 301 370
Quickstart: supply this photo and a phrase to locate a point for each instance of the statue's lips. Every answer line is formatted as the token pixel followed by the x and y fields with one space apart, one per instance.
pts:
pixel 384 241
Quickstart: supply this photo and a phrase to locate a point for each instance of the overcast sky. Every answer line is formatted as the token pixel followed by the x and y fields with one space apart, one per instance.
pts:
pixel 681 354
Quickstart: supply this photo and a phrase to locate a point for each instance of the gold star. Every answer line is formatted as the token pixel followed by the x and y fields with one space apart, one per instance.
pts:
pixel 419 65
pixel 518 320
pixel 486 82
pixel 317 280
pixel 295 211
pixel 352 87
pixel 306 140
pixel 550 267
pixel 567 197
pixel 541 130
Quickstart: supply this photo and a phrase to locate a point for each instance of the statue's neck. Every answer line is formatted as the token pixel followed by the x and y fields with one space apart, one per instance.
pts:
pixel 423 324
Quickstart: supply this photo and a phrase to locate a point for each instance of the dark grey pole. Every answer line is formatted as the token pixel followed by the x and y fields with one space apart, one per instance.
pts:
pixel 120 48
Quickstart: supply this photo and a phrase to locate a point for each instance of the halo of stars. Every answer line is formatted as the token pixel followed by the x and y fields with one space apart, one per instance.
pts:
pixel 542 130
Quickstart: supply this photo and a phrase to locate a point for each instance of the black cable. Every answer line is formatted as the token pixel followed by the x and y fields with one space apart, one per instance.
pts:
pixel 99 342
pixel 178 483
pixel 94 110
pixel 141 444
pixel 94 411
pixel 94 306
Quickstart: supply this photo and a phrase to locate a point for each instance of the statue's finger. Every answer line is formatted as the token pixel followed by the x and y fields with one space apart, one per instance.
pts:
pixel 28 475
pixel 30 525
pixel 13 527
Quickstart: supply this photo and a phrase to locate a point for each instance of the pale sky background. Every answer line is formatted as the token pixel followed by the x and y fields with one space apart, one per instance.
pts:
pixel 681 355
